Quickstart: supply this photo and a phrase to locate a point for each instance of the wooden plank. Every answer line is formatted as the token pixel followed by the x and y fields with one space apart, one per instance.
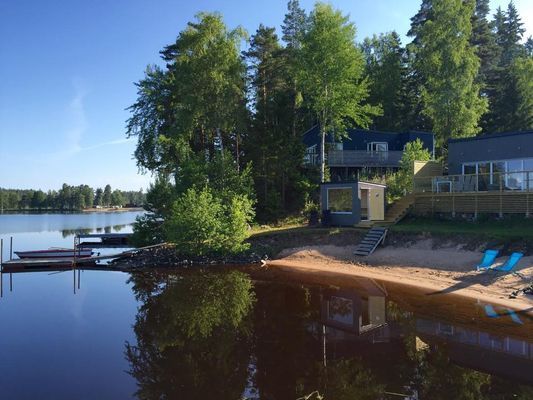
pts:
pixel 473 202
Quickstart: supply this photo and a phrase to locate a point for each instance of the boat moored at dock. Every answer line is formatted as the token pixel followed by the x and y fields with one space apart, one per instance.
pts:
pixel 55 253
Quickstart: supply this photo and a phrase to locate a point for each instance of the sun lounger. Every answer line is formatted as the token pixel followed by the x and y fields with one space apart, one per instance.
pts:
pixel 491 313
pixel 509 264
pixel 488 259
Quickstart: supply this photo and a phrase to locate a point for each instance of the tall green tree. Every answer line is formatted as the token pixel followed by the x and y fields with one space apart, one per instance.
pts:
pixel 529 46
pixel 450 66
pixel 293 28
pixel 415 80
pixel 522 76
pixel 387 73
pixel 483 40
pixel 510 36
pixel 98 197
pixel 274 151
pixel 505 99
pixel 197 104
pixel 106 197
pixel 331 75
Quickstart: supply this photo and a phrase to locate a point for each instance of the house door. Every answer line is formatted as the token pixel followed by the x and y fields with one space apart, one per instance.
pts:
pixel 365 204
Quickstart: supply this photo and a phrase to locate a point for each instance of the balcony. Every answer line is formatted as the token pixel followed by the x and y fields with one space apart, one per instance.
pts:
pixel 357 158
pixel 489 182
pixel 497 193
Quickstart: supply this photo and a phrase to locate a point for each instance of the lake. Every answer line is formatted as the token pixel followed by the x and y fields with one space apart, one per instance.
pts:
pixel 234 334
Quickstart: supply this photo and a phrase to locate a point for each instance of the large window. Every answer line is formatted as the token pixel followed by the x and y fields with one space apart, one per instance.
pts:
pixel 340 310
pixel 507 174
pixel 515 181
pixel 483 176
pixel 528 179
pixel 377 146
pixel 340 200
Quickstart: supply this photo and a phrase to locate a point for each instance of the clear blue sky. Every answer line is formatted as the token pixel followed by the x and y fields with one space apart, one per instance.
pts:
pixel 67 70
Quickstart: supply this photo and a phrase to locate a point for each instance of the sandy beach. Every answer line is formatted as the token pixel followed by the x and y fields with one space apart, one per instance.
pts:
pixel 442 269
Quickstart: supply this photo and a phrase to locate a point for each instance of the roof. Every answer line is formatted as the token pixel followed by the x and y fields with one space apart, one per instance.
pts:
pixel 310 136
pixel 373 184
pixel 491 136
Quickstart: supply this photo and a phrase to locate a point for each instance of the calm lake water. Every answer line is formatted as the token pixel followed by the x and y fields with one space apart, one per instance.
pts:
pixel 226 334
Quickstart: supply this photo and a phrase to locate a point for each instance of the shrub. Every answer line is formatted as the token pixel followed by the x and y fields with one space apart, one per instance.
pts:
pixel 200 223
pixel 401 182
pixel 147 230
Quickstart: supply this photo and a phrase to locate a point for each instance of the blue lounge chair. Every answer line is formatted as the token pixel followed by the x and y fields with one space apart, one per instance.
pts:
pixel 491 313
pixel 509 264
pixel 488 259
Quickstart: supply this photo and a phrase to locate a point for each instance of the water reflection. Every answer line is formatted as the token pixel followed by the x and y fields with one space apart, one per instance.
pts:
pixel 193 335
pixel 224 335
pixel 105 229
pixel 215 335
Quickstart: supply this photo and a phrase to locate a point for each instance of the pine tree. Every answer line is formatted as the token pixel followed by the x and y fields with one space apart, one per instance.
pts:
pixel 424 14
pixel 449 64
pixel 511 36
pixel 386 71
pixel 294 25
pixel 270 145
pixel 414 79
pixel 483 39
pixel 484 42
pixel 529 46
pixel 293 28
pixel 505 98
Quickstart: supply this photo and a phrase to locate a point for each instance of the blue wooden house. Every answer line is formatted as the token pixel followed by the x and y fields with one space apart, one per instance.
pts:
pixel 368 150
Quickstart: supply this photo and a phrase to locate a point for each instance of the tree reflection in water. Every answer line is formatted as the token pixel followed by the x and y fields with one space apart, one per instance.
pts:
pixel 212 335
pixel 193 335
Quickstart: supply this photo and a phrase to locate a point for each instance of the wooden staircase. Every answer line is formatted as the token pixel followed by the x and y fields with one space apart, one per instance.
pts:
pixel 373 238
pixel 398 210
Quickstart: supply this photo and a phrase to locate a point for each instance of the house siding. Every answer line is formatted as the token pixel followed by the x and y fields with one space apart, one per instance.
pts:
pixel 358 139
pixel 505 146
pixel 348 219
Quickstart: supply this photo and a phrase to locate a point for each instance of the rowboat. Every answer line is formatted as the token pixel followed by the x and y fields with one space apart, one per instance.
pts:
pixel 55 253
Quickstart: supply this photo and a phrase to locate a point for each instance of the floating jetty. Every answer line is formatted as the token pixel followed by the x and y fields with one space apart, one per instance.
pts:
pixel 59 263
pixel 104 239
pixel 65 263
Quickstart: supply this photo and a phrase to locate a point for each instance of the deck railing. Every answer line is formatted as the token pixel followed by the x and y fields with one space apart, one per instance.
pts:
pixel 495 182
pixel 357 158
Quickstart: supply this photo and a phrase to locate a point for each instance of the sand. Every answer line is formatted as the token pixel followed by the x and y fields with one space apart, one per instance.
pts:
pixel 439 270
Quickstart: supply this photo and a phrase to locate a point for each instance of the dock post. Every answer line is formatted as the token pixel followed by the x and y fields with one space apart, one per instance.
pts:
pixel 11 248
pixel 1 268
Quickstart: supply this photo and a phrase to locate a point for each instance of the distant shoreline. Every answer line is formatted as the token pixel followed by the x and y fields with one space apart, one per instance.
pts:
pixel 86 210
pixel 111 209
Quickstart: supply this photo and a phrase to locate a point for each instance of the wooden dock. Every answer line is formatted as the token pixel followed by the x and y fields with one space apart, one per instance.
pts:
pixel 105 239
pixel 67 262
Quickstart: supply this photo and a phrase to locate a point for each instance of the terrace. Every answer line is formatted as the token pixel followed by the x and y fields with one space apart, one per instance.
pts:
pixel 488 193
pixel 357 158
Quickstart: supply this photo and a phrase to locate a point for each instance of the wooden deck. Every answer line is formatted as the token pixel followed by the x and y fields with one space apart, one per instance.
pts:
pixel 104 239
pixel 501 203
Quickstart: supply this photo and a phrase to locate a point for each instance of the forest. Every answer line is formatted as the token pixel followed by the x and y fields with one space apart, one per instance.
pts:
pixel 219 125
pixel 68 198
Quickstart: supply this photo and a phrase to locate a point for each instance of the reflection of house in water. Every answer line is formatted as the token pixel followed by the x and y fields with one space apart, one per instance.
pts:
pixel 481 350
pixel 351 319
pixel 355 314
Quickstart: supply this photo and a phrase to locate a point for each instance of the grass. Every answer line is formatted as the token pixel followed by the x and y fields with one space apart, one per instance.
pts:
pixel 512 228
